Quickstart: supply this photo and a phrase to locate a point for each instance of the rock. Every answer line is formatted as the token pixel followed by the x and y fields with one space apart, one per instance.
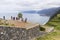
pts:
pixel 2 32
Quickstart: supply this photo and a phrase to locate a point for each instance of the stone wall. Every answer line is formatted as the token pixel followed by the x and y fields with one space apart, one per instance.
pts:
pixel 12 33
pixel 33 32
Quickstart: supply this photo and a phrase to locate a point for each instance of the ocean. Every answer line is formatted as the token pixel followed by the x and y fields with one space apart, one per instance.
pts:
pixel 34 18
pixel 40 16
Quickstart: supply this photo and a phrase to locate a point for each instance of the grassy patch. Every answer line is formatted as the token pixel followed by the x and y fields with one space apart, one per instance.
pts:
pixel 50 36
pixel 4 22
pixel 55 22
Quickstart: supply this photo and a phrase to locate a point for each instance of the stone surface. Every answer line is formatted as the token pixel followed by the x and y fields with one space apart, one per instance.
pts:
pixel 12 33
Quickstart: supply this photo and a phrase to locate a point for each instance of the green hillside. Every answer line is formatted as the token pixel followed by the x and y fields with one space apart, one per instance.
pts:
pixel 54 22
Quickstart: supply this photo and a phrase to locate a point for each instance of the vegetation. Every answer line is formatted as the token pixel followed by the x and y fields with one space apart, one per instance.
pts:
pixel 20 15
pixel 55 22
pixel 4 22
pixel 12 25
pixel 51 36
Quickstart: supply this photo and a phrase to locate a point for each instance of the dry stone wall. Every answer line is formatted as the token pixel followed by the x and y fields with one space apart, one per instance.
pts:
pixel 12 33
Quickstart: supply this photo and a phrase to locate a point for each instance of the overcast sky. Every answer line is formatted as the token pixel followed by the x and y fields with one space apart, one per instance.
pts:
pixel 16 5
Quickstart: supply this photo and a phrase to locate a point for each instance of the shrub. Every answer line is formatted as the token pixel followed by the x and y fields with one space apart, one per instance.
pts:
pixel 20 15
pixel 1 23
pixel 6 24
pixel 12 25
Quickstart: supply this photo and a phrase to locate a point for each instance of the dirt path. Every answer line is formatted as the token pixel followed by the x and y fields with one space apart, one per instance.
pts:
pixel 18 23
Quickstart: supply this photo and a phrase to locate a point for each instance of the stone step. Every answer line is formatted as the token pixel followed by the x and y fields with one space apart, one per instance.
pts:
pixel 50 29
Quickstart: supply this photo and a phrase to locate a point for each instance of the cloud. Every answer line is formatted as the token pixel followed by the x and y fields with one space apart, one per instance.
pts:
pixel 16 5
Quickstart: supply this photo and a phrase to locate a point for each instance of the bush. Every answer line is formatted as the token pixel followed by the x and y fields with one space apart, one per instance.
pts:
pixel 12 25
pixel 6 24
pixel 1 23
pixel 20 15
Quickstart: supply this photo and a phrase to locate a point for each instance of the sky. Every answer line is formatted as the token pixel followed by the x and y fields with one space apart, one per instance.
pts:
pixel 18 5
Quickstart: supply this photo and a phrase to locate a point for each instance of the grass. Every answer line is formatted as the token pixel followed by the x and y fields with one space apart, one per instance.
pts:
pixel 51 36
pixel 55 22
pixel 5 23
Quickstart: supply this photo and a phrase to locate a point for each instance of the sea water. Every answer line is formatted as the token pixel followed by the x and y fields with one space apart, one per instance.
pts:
pixel 34 17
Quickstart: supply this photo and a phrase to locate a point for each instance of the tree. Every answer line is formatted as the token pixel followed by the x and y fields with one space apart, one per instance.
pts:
pixel 20 15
